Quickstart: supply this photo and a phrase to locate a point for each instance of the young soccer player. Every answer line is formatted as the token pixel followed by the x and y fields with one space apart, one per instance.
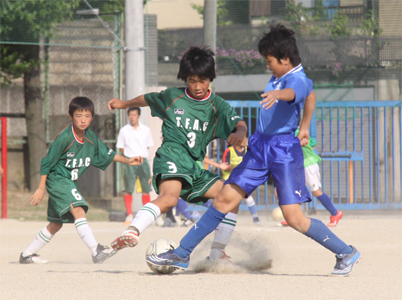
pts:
pixel 192 117
pixel 232 157
pixel 74 150
pixel 273 149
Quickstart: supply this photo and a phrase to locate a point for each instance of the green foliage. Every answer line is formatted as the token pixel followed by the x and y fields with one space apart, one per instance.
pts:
pixel 371 25
pixel 300 16
pixel 222 12
pixel 340 26
pixel 26 21
pixel 297 13
pixel 320 13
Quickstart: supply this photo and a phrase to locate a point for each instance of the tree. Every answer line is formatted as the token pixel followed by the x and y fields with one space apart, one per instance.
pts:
pixel 222 12
pixel 24 23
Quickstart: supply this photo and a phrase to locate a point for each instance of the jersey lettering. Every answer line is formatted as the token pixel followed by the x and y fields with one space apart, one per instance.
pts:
pixel 68 163
pixel 72 163
pixel 196 124
pixel 87 161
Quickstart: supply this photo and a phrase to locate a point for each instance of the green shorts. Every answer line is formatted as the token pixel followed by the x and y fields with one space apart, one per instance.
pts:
pixel 62 194
pixel 132 172
pixel 172 161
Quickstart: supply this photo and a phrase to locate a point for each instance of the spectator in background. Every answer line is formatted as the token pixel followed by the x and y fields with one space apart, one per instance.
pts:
pixel 134 140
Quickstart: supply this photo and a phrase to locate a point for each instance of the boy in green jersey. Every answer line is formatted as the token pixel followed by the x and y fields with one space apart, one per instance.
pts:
pixel 192 117
pixel 74 150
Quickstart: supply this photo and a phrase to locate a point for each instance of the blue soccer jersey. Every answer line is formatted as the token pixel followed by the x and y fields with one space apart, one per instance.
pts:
pixel 283 116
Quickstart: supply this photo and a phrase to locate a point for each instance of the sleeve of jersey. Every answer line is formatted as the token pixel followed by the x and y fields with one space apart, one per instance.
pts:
pixel 227 119
pixel 103 157
pixel 299 87
pixel 158 102
pixel 56 149
pixel 226 156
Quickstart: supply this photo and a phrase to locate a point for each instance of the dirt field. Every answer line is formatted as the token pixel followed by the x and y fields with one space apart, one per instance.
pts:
pixel 299 268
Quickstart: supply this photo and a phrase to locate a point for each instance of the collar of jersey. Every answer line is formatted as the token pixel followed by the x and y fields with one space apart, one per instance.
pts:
pixel 298 68
pixel 203 99
pixel 76 137
pixel 140 126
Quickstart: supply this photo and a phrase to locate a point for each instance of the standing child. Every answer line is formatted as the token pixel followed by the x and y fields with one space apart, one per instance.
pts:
pixel 273 149
pixel 74 150
pixel 192 118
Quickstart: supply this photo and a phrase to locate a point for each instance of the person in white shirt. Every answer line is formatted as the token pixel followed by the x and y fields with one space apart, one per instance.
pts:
pixel 134 140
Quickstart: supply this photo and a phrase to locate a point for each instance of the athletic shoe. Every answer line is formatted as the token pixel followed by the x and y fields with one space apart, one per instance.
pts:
pixel 284 223
pixel 188 222
pixel 169 259
pixel 335 219
pixel 32 259
pixel 256 220
pixel 169 223
pixel 345 262
pixel 224 257
pixel 102 253
pixel 128 220
pixel 129 238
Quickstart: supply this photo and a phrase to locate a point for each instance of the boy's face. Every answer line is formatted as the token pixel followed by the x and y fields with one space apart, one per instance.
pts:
pixel 278 68
pixel 81 119
pixel 198 87
pixel 133 117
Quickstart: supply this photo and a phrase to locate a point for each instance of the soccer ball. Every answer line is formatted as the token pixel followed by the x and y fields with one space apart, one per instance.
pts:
pixel 157 247
pixel 277 214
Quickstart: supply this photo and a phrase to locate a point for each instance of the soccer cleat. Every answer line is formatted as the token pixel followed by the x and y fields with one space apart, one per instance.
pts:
pixel 32 259
pixel 256 220
pixel 129 238
pixel 168 258
pixel 188 222
pixel 345 263
pixel 284 223
pixel 128 220
pixel 102 254
pixel 335 219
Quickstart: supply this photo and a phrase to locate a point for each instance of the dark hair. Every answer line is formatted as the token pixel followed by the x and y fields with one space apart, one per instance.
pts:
pixel 280 43
pixel 197 61
pixel 133 109
pixel 81 103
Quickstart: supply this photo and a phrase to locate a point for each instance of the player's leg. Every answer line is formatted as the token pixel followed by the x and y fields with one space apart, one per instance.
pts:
pixel 145 176
pixel 129 178
pixel 170 220
pixel 169 193
pixel 30 256
pixel 99 252
pixel 252 208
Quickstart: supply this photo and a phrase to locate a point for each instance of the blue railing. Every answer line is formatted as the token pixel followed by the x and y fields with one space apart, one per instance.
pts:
pixel 361 148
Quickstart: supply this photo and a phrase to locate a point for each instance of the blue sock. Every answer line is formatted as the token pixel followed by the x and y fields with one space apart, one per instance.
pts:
pixel 182 205
pixel 325 237
pixel 326 201
pixel 253 210
pixel 208 222
pixel 207 204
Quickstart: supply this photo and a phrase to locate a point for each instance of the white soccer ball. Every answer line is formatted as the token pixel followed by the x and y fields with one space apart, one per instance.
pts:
pixel 157 247
pixel 277 214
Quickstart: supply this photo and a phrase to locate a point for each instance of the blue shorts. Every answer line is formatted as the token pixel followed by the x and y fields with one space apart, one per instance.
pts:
pixel 279 155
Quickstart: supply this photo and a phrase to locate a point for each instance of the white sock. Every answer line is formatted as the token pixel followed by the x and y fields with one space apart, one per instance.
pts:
pixel 85 232
pixel 146 216
pixel 223 233
pixel 41 240
pixel 250 202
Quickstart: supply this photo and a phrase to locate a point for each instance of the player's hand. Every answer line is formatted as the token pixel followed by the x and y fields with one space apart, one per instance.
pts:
pixel 36 198
pixel 135 161
pixel 304 137
pixel 115 104
pixel 269 99
pixel 224 166
pixel 235 139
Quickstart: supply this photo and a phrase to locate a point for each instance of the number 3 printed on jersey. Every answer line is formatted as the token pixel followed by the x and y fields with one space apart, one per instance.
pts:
pixel 172 167
pixel 191 136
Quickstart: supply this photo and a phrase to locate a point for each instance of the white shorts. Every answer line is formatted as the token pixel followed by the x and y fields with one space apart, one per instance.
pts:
pixel 313 177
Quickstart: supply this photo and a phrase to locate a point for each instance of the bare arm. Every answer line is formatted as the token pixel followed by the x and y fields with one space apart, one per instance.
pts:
pixel 36 198
pixel 119 104
pixel 269 98
pixel 309 108
pixel 133 161
pixel 238 137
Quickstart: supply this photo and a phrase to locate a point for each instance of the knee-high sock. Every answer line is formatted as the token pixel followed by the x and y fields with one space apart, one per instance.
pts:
pixel 145 217
pixel 85 232
pixel 223 233
pixel 325 237
pixel 327 203
pixel 182 205
pixel 128 202
pixel 208 222
pixel 41 240
pixel 251 206
pixel 146 199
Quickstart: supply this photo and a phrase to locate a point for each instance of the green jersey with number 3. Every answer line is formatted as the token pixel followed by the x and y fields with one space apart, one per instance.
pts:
pixel 69 157
pixel 190 122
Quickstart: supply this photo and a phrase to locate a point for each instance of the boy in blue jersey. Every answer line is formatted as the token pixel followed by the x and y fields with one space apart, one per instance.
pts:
pixel 273 149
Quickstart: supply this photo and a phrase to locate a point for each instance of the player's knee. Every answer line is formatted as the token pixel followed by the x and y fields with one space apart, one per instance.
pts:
pixel 298 223
pixel 53 228
pixel 169 200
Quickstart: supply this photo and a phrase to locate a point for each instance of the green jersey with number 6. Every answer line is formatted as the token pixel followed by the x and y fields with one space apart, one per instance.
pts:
pixel 69 157
pixel 190 122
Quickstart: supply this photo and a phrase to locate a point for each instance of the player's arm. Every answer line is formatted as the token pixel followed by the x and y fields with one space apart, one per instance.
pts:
pixel 133 161
pixel 237 137
pixel 210 162
pixel 309 108
pixel 270 97
pixel 120 104
pixel 36 198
